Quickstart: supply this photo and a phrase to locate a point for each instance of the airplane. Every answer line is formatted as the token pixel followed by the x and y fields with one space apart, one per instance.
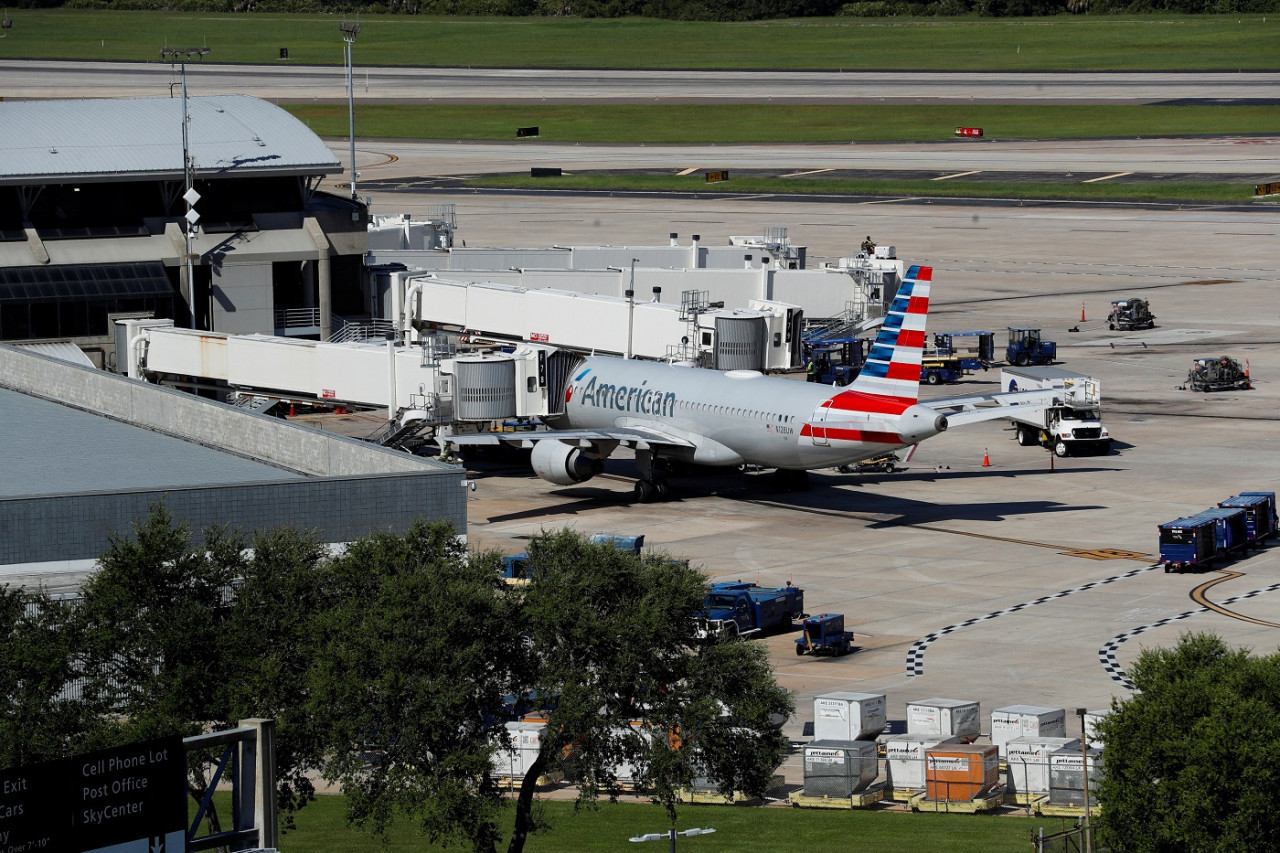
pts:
pixel 739 417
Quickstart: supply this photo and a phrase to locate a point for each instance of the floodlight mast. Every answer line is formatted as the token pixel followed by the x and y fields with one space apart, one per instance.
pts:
pixel 349 33
pixel 189 195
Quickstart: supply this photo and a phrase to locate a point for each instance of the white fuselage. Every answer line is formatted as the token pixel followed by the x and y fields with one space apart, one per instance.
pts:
pixel 742 416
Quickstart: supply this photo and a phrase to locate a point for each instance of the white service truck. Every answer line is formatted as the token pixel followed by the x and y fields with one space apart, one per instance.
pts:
pixel 1072 424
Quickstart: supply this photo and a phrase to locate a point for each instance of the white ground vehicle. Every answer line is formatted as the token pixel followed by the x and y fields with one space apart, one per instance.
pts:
pixel 1072 426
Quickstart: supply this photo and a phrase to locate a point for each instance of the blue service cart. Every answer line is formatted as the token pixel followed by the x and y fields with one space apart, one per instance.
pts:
pixel 1027 347
pixel 1188 544
pixel 824 634
pixel 1259 514
pixel 1232 535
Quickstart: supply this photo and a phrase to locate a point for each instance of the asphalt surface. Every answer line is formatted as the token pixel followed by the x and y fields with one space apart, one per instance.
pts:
pixel 50 79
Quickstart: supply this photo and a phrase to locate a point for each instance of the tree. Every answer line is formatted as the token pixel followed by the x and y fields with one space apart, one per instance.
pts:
pixel 611 642
pixel 38 722
pixel 1192 761
pixel 412 664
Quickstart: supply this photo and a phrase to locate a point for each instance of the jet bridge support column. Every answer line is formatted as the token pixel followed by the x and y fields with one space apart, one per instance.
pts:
pixel 322 276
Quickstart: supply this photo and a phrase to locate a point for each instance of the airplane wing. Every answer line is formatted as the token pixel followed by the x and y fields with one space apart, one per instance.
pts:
pixel 641 438
pixel 986 407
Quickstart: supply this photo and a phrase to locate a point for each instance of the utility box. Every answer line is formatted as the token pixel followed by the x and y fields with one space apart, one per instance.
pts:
pixel 905 759
pixel 847 716
pixel 960 772
pixel 839 768
pixel 956 718
pixel 1017 721
pixel 1068 774
pixel 1028 759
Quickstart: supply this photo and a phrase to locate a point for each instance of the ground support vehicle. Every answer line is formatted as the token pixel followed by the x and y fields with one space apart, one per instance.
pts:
pixel 824 634
pixel 515 567
pixel 736 607
pixel 1188 544
pixel 1072 424
pixel 975 350
pixel 837 361
pixel 886 464
pixel 1259 514
pixel 1218 374
pixel 1232 533
pixel 935 370
pixel 1130 314
pixel 1027 347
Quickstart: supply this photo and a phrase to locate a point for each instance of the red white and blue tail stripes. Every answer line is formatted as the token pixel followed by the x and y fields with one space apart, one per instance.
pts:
pixel 892 370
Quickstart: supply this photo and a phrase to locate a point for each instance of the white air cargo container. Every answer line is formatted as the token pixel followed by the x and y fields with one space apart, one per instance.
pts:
pixel 1067 776
pixel 904 759
pixel 847 716
pixel 515 760
pixel 839 768
pixel 958 718
pixel 1016 721
pixel 1091 720
pixel 1028 759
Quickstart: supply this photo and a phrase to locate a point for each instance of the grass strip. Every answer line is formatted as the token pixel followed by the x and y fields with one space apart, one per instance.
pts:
pixel 721 124
pixel 322 828
pixel 1233 42
pixel 1166 192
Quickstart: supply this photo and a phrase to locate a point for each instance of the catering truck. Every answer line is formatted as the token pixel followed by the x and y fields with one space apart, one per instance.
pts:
pixel 1072 424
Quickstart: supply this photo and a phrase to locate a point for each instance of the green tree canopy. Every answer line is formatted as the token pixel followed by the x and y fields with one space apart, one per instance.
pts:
pixel 1192 761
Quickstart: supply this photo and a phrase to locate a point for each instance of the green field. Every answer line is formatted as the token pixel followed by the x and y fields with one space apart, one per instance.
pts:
pixel 321 828
pixel 722 124
pixel 1079 43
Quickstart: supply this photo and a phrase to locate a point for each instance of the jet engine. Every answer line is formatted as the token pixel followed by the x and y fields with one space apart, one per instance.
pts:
pixel 559 463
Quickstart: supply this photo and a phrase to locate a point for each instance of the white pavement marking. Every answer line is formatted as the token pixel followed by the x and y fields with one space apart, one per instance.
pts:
pixel 1107 654
pixel 956 175
pixel 1106 177
pixel 810 172
pixel 915 656
pixel 688 171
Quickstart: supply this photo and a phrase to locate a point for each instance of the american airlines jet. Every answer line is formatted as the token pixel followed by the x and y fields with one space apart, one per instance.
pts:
pixel 738 417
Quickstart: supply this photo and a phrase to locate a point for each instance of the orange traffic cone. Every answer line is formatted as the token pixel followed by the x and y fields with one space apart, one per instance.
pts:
pixel 1082 312
pixel 1246 368
pixel 986 458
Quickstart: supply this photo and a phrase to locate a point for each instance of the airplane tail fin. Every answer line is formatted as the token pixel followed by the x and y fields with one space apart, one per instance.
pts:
pixel 892 369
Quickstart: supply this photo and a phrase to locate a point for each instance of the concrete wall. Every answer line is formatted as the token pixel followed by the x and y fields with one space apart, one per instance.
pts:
pixel 242 298
pixel 193 418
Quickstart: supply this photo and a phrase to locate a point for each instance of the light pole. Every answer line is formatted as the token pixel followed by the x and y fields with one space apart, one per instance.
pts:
pixel 190 196
pixel 1084 766
pixel 631 305
pixel 349 33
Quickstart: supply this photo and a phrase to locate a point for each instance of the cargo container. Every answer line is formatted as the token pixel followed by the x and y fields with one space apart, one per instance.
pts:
pixel 904 759
pixel 625 771
pixel 1028 762
pixel 1188 544
pixel 1232 535
pixel 1067 777
pixel 839 768
pixel 514 760
pixel 1016 721
pixel 848 716
pixel 957 718
pixel 960 772
pixel 1259 514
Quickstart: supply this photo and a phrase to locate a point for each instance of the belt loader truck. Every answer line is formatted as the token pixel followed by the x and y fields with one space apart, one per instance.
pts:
pixel 1072 424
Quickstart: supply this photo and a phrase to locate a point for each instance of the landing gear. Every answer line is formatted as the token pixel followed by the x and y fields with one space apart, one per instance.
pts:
pixel 650 487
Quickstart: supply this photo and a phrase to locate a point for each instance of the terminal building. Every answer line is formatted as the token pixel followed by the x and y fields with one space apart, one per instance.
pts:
pixel 94 208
